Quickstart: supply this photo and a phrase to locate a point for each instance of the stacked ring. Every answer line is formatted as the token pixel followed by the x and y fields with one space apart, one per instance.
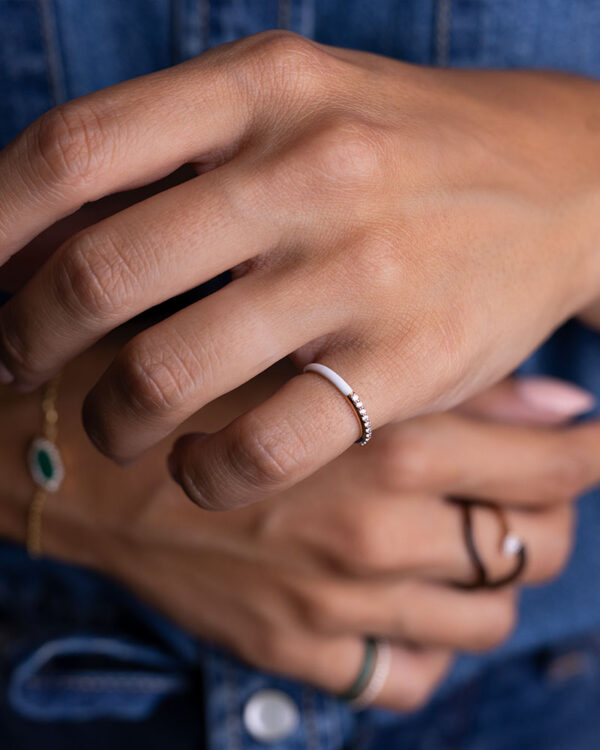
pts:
pixel 510 546
pixel 366 668
pixel 373 673
pixel 353 398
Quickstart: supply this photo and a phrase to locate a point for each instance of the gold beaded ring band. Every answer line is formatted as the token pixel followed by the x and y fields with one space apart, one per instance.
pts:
pixel 351 397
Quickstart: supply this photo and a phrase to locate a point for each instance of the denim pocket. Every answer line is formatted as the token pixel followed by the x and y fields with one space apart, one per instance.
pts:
pixel 85 677
pixel 75 646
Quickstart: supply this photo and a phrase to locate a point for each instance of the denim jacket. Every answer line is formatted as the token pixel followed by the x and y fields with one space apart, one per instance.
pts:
pixel 76 646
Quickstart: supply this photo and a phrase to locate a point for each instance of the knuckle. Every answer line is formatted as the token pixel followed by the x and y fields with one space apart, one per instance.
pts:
pixel 496 623
pixel 565 476
pixel 154 379
pixel 270 456
pixel 318 608
pixel 348 152
pixel 92 277
pixel 70 142
pixel 368 548
pixel 448 337
pixel 427 335
pixel 253 459
pixel 16 354
pixel 284 54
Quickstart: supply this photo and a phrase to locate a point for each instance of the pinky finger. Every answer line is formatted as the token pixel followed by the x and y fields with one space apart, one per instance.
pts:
pixel 414 676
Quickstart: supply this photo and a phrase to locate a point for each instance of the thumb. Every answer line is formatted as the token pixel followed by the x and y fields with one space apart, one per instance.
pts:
pixel 536 400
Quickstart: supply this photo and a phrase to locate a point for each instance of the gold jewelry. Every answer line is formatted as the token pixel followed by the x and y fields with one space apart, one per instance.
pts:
pixel 45 466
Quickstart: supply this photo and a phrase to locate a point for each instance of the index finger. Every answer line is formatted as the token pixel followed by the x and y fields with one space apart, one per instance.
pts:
pixel 119 138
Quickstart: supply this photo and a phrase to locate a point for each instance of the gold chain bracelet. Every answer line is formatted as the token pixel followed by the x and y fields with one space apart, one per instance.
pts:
pixel 45 466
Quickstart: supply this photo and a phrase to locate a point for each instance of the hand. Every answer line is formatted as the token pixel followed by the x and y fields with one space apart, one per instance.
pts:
pixel 367 545
pixel 420 231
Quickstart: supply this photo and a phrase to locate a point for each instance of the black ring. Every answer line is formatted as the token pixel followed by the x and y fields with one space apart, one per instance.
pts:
pixel 366 670
pixel 482 579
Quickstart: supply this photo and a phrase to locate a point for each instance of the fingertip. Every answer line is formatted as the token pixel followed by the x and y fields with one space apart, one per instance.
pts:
pixel 531 399
pixel 88 419
pixel 101 435
pixel 182 456
pixel 183 446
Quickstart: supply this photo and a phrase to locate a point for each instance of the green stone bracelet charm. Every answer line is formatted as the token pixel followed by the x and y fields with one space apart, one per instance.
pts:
pixel 45 466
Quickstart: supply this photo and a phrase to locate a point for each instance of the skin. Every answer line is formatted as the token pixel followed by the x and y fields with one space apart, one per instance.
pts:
pixel 367 545
pixel 419 231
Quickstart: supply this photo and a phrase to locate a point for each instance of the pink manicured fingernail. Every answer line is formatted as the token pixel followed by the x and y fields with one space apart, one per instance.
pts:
pixel 555 396
pixel 6 376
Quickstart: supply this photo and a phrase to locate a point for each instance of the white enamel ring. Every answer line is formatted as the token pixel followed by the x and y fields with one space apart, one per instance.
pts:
pixel 353 398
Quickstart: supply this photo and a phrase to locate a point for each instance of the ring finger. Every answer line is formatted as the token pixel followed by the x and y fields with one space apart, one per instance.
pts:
pixel 416 535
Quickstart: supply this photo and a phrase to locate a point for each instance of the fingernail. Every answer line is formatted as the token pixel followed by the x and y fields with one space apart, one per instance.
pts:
pixel 555 396
pixel 6 376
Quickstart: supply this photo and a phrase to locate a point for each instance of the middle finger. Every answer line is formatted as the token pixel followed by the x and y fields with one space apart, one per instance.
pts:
pixel 416 535
pixel 123 265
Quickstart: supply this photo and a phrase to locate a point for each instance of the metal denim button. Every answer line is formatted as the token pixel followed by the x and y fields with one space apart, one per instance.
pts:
pixel 270 716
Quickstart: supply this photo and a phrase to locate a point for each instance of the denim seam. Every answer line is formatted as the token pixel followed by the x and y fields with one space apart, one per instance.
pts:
pixel 102 684
pixel 232 701
pixel 54 64
pixel 284 15
pixel 442 33
pixel 339 724
pixel 204 11
pixel 308 712
pixel 365 740
pixel 176 54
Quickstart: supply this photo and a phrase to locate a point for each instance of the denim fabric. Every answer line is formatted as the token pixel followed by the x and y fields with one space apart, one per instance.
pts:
pixel 545 700
pixel 83 663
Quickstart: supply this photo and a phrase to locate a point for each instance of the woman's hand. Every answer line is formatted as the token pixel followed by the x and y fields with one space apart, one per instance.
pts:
pixel 369 545
pixel 420 231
